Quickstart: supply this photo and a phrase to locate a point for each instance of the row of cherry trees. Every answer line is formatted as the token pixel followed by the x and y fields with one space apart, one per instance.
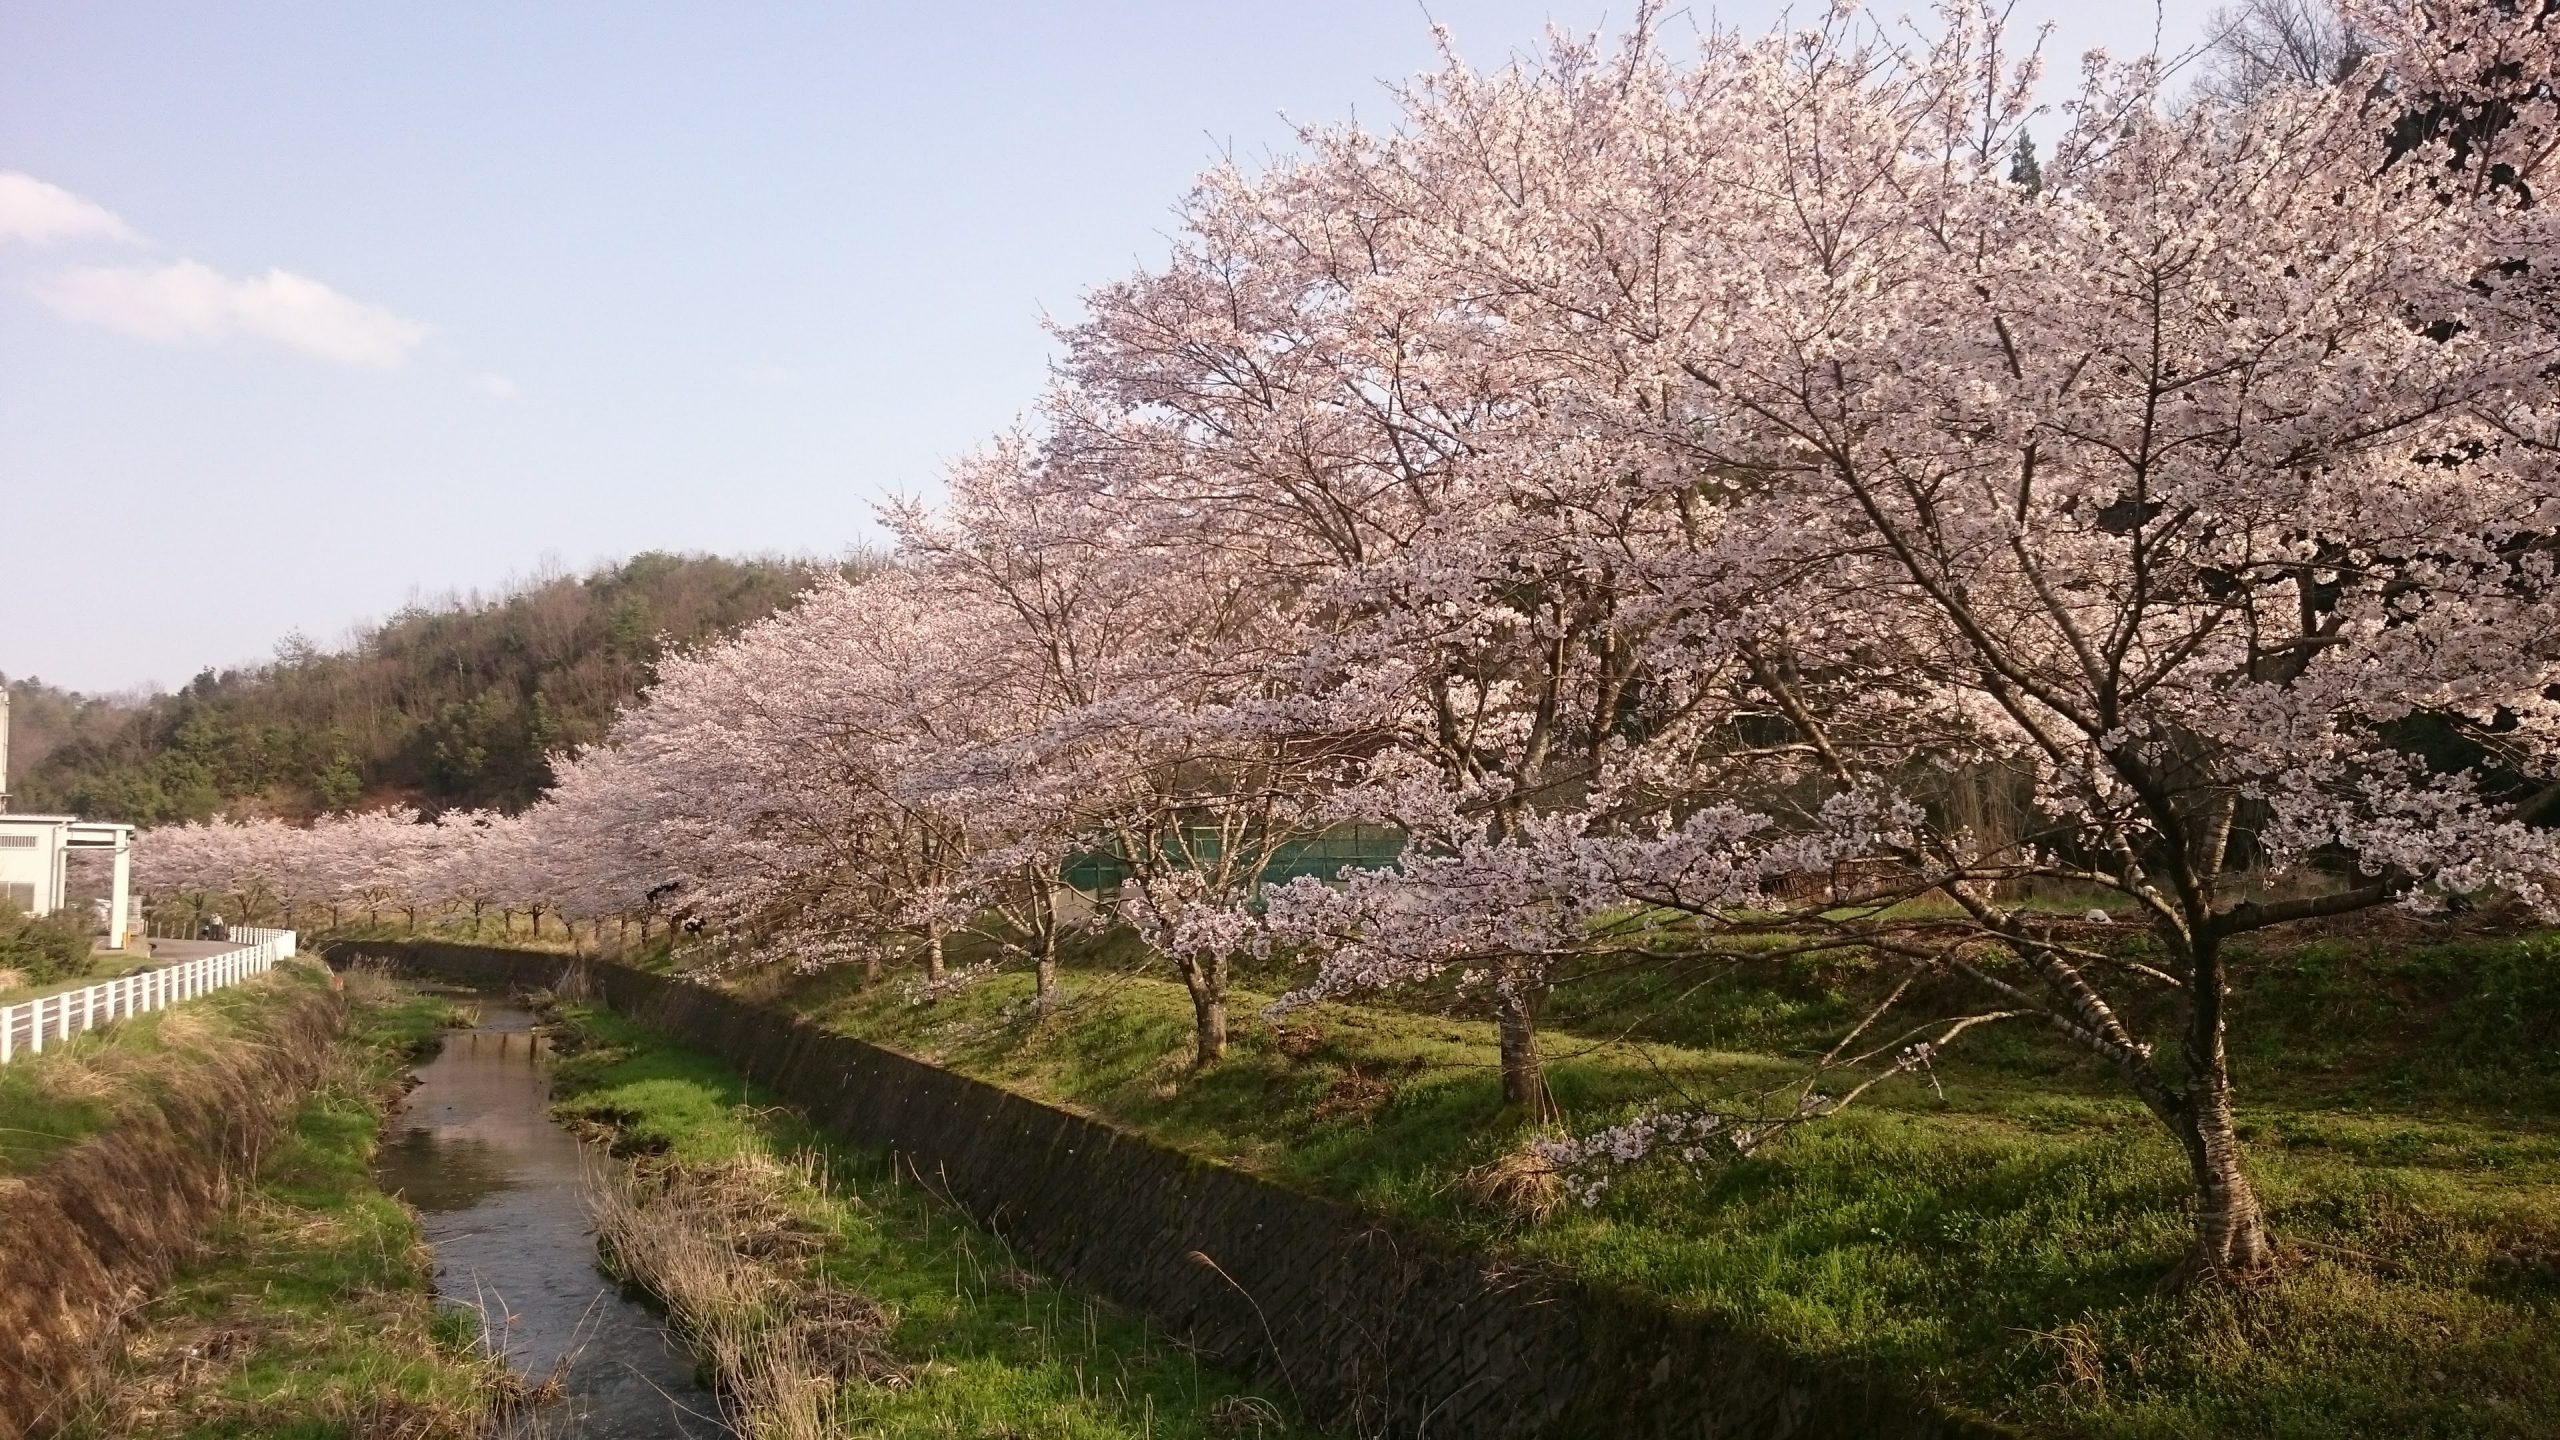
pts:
pixel 469 864
pixel 1653 476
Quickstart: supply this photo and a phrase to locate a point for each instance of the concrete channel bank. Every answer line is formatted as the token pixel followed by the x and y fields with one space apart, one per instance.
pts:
pixel 1374 1328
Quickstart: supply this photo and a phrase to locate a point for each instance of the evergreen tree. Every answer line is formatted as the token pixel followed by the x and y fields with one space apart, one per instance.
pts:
pixel 2024 169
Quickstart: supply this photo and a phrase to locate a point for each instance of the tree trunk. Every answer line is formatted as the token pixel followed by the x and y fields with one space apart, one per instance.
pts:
pixel 1524 1080
pixel 1044 972
pixel 2231 1231
pixel 933 954
pixel 1208 986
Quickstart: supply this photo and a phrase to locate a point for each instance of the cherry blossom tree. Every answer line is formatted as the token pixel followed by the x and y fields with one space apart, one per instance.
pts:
pixel 768 775
pixel 471 864
pixel 1443 527
pixel 250 867
pixel 2200 486
pixel 1153 729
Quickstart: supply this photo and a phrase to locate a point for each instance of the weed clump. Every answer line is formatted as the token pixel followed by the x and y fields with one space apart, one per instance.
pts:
pixel 1519 1182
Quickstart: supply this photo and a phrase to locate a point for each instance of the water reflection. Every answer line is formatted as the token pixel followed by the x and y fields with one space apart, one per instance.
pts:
pixel 438 1173
pixel 496 1184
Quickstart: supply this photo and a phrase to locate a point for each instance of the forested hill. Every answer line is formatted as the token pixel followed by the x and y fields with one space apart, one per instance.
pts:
pixel 445 706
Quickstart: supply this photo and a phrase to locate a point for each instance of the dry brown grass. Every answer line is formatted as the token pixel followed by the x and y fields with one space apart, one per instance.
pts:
pixel 370 982
pixel 182 1028
pixel 723 1247
pixel 577 986
pixel 85 1077
pixel 1519 1182
pixel 1246 1415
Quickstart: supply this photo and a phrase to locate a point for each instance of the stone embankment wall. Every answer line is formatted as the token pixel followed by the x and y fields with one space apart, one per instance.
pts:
pixel 100 1227
pixel 1373 1328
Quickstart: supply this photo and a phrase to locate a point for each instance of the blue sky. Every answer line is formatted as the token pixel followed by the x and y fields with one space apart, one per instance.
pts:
pixel 307 310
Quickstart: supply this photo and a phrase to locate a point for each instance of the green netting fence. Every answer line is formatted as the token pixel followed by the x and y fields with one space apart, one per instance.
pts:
pixel 1324 855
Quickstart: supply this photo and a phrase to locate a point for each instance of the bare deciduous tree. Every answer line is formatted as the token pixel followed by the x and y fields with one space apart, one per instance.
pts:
pixel 2260 46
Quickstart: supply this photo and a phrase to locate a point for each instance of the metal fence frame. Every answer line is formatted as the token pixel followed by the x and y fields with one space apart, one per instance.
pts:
pixel 26 1026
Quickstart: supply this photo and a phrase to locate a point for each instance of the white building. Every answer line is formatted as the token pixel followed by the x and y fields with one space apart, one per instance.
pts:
pixel 35 865
pixel 35 854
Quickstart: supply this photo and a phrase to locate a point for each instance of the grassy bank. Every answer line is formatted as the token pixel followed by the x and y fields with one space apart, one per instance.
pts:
pixel 116 1150
pixel 77 1088
pixel 2001 1237
pixel 309 1315
pixel 815 1262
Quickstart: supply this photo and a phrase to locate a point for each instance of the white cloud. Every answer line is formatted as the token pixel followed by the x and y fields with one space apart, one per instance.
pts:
pixel 39 213
pixel 770 375
pixel 186 302
pixel 494 385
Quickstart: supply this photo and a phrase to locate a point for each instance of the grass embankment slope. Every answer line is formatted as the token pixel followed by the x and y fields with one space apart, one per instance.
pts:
pixel 2003 1243
pixel 85 1086
pixel 309 1314
pixel 855 1303
pixel 116 1148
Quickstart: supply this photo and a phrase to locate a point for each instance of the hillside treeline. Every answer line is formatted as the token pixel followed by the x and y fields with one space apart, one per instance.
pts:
pixel 447 705
pixel 44 718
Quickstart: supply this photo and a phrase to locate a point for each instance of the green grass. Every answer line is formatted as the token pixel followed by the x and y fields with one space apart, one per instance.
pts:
pixel 991 1350
pixel 310 1315
pixel 2004 1246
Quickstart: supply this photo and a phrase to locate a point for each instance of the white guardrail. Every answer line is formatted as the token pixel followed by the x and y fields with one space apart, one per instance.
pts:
pixel 28 1026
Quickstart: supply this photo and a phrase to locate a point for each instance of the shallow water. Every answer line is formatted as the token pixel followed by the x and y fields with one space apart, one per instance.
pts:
pixel 496 1183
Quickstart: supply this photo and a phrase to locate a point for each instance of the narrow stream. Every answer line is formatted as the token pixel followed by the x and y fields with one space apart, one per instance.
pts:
pixel 496 1183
